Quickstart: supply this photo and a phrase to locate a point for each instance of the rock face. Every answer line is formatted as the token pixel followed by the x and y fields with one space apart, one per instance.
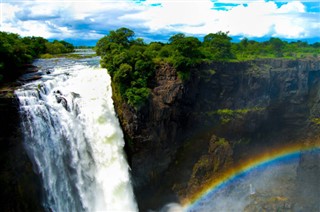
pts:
pixel 20 188
pixel 250 104
pixel 308 182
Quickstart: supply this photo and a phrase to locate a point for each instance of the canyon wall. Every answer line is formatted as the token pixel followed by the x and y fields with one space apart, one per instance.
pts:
pixel 20 187
pixel 189 131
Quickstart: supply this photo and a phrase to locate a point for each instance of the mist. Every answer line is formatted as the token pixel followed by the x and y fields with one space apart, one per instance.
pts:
pixel 290 183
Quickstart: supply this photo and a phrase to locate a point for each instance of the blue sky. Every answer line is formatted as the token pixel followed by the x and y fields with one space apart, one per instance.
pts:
pixel 84 22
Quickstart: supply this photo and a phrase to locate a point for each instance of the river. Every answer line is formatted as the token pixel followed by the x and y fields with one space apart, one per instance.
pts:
pixel 73 137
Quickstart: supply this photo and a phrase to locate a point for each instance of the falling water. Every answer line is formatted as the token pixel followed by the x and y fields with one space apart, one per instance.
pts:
pixel 252 190
pixel 73 137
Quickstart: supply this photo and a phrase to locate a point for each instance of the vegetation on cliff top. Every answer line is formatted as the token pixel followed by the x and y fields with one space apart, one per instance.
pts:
pixel 131 62
pixel 16 51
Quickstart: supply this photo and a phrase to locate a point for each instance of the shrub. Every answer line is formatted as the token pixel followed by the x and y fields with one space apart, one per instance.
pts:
pixel 137 96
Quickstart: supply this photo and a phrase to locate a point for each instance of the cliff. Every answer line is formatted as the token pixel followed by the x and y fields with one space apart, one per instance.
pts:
pixel 20 187
pixel 225 111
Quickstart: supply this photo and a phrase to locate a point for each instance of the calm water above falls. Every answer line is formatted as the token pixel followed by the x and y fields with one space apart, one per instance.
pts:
pixel 73 137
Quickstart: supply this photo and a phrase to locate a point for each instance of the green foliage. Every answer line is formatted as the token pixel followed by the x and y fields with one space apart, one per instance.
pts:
pixel 184 75
pixel 227 115
pixel 212 72
pixel 183 53
pixel 137 96
pixel 277 46
pixel 186 46
pixel 274 48
pixel 116 40
pixel 122 36
pixel 131 62
pixel 218 46
pixel 222 142
pixel 123 75
pixel 58 47
pixel 16 51
pixel 315 121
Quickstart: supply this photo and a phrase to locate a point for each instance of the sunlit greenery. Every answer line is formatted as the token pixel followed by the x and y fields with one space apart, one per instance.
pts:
pixel 274 48
pixel 227 115
pixel 315 121
pixel 16 51
pixel 132 63
pixel 66 55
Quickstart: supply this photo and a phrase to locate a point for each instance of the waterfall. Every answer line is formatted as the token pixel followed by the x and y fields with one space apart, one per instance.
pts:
pixel 74 139
pixel 252 190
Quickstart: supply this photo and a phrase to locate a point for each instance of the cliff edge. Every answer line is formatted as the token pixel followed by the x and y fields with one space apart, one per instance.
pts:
pixel 190 130
pixel 20 187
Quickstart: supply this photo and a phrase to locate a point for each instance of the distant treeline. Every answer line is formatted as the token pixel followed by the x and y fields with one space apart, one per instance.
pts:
pixel 17 51
pixel 131 62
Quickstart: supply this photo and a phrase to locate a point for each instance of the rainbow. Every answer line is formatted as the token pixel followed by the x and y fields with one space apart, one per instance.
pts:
pixel 265 158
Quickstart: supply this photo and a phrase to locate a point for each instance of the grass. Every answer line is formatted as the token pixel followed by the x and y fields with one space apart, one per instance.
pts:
pixel 315 121
pixel 184 76
pixel 227 115
pixel 286 55
pixel 71 56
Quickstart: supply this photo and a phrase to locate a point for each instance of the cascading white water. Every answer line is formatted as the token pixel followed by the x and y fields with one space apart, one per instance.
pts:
pixel 74 139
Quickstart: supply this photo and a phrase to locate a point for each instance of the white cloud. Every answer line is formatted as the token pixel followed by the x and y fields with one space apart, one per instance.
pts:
pixel 172 14
pixel 292 7
pixel 86 19
pixel 254 19
pixel 63 19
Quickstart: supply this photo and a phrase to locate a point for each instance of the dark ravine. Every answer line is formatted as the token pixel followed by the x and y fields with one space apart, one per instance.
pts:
pixel 268 102
pixel 20 187
pixel 179 140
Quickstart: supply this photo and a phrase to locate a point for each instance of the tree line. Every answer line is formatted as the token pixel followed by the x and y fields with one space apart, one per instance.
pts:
pixel 131 62
pixel 17 51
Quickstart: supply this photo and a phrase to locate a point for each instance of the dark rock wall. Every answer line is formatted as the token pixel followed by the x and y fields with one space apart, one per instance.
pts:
pixel 269 101
pixel 20 188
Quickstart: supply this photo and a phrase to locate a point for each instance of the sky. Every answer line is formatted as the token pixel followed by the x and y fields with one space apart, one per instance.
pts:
pixel 83 22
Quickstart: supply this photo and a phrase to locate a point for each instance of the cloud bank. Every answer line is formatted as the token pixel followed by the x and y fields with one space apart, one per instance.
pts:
pixel 160 19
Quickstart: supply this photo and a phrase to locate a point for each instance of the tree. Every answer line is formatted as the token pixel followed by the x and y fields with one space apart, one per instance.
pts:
pixel 16 51
pixel 137 96
pixel 68 46
pixel 186 46
pixel 184 52
pixel 152 50
pixel 103 46
pixel 123 75
pixel 176 38
pixel 119 39
pixel 122 36
pixel 277 46
pixel 219 45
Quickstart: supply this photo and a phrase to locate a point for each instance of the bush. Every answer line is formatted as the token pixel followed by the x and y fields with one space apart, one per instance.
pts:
pixel 137 96
pixel 123 75
pixel 184 75
pixel 132 63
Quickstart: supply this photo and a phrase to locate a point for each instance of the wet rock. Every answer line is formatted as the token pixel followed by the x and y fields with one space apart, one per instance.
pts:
pixel 20 187
pixel 61 99
pixel 30 77
pixel 270 101
pixel 217 159
pixel 307 191
pixel 75 95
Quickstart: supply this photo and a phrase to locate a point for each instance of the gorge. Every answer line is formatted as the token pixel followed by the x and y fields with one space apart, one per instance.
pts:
pixel 187 135
pixel 225 114
pixel 69 130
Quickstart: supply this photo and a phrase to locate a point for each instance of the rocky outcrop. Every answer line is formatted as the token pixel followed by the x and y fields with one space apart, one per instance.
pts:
pixel 210 165
pixel 20 188
pixel 307 191
pixel 252 105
